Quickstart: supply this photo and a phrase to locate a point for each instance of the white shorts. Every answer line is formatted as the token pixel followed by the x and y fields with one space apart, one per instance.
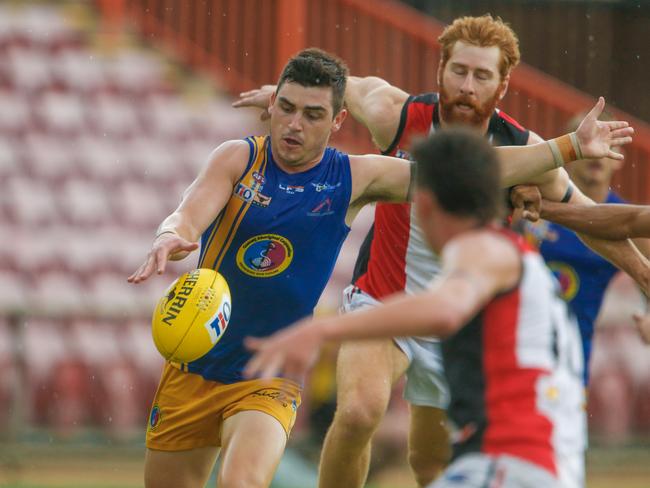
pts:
pixel 425 377
pixel 480 470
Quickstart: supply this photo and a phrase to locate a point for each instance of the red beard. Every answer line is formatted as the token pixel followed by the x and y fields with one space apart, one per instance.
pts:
pixel 476 117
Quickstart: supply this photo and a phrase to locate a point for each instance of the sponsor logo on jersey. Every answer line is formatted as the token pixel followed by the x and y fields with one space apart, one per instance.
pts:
pixel 155 417
pixel 265 255
pixel 251 195
pixel 568 279
pixel 291 189
pixel 319 187
pixel 322 209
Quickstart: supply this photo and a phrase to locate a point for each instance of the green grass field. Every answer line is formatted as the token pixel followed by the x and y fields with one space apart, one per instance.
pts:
pixel 95 466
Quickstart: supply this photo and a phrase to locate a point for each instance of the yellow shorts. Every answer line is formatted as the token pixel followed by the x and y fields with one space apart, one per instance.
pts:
pixel 188 411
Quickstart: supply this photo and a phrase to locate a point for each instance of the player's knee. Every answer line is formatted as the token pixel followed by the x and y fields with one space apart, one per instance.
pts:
pixel 249 478
pixel 427 464
pixel 362 415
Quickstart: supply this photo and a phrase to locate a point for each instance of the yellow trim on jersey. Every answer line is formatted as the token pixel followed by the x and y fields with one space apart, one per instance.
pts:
pixel 236 208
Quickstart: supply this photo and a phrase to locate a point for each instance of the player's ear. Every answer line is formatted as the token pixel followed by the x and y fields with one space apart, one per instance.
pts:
pixel 338 119
pixel 503 87
pixel 271 102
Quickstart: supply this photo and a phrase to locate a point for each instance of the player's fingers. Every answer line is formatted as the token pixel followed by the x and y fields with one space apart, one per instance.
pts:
pixel 187 246
pixel 273 367
pixel 161 255
pixel 614 155
pixel 253 343
pixel 252 367
pixel 616 124
pixel 249 93
pixel 531 215
pixel 622 132
pixel 597 109
pixel 620 141
pixel 145 270
pixel 242 102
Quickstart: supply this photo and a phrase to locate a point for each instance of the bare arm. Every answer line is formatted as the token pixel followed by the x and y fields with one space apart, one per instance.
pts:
pixel 604 221
pixel 377 105
pixel 202 202
pixel 476 266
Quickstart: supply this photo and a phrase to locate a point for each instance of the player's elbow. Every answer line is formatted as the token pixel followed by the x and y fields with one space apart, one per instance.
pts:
pixel 448 320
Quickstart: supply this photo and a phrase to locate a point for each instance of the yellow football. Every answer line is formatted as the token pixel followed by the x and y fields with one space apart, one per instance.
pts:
pixel 192 316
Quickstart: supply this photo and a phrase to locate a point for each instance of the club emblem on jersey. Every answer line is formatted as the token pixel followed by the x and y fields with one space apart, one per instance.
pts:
pixel 568 279
pixel 265 255
pixel 155 417
pixel 322 209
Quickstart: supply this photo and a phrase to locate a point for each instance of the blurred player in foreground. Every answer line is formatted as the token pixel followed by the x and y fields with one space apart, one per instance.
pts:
pixel 272 213
pixel 511 353
pixel 478 55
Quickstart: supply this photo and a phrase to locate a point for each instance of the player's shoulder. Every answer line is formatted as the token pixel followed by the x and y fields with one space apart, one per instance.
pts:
pixel 425 99
pixel 487 244
pixel 236 153
pixel 506 130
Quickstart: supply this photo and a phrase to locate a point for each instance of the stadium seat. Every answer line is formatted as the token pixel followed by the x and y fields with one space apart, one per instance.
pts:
pixel 62 113
pixel 39 209
pixel 85 202
pixel 15 116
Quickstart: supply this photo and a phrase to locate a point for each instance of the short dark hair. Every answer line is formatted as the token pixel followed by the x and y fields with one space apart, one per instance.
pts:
pixel 315 67
pixel 462 170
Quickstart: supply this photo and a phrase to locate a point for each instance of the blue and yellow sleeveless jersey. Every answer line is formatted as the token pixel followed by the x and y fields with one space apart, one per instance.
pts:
pixel 276 243
pixel 583 275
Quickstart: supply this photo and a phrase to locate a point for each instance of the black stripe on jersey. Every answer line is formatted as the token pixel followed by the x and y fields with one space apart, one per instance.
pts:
pixel 361 264
pixel 466 382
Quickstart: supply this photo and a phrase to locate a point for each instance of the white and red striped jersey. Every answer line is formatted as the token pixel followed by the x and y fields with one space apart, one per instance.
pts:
pixel 394 257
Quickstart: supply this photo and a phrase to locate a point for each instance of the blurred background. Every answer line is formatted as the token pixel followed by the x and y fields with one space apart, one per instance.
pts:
pixel 108 108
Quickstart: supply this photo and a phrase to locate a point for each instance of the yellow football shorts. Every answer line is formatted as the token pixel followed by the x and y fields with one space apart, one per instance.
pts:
pixel 188 411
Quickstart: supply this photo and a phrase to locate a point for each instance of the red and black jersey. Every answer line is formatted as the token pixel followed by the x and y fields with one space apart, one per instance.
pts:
pixel 514 372
pixel 394 256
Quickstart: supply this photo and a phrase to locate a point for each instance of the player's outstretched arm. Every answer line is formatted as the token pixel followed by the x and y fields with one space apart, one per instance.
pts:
pixel 202 202
pixel 376 104
pixel 476 266
pixel 604 221
pixel 592 140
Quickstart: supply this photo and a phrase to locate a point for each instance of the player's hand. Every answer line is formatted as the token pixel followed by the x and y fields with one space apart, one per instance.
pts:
pixel 642 323
pixel 164 247
pixel 291 352
pixel 260 98
pixel 597 137
pixel 528 199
